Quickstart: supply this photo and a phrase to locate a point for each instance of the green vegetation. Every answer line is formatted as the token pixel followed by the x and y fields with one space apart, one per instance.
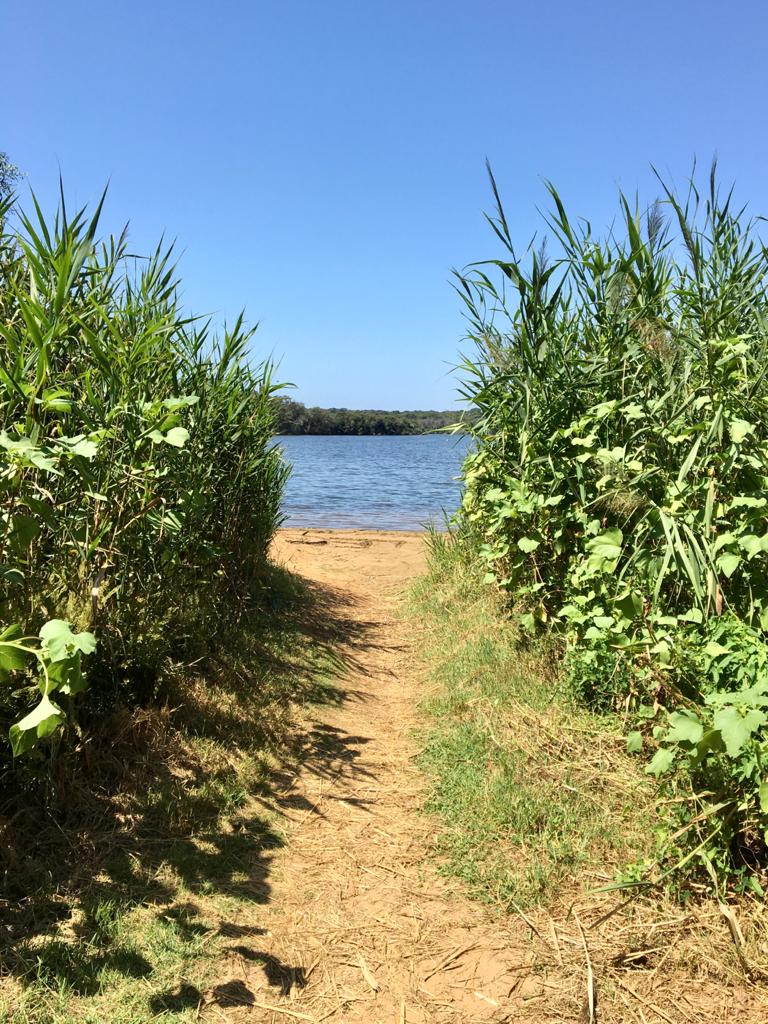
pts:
pixel 619 488
pixel 512 760
pixel 128 882
pixel 296 418
pixel 153 662
pixel 139 489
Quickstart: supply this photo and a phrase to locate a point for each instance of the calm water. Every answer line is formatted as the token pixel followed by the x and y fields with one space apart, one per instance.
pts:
pixel 379 483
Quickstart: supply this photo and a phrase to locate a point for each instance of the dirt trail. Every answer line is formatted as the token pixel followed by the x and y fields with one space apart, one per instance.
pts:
pixel 359 927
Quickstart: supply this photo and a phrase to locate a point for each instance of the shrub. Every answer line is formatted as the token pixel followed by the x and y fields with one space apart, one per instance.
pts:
pixel 138 485
pixel 620 479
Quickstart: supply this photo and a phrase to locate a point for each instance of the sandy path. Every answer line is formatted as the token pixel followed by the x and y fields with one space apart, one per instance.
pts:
pixel 358 926
pixel 350 920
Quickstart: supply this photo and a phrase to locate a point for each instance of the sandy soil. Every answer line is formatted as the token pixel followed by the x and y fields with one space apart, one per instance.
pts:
pixel 357 925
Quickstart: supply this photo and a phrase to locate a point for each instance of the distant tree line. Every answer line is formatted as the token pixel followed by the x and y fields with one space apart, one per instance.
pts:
pixel 297 418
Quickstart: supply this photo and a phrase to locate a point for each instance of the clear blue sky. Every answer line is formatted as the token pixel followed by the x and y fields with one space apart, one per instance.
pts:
pixel 321 161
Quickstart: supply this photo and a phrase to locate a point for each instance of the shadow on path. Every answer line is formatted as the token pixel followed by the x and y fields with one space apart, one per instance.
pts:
pixel 162 810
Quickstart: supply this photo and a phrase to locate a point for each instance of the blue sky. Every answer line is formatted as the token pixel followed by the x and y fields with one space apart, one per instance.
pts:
pixel 322 163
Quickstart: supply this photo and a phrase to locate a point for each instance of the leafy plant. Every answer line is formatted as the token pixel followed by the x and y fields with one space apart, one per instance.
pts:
pixel 620 479
pixel 58 653
pixel 139 487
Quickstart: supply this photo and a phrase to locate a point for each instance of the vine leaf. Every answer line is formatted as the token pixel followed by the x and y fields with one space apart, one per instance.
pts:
pixel 42 720
pixel 736 728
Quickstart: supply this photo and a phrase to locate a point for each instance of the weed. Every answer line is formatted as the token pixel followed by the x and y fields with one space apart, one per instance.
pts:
pixel 618 488
pixel 138 485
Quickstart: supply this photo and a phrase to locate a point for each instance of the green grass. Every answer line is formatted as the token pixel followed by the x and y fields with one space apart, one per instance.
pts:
pixel 533 795
pixel 127 880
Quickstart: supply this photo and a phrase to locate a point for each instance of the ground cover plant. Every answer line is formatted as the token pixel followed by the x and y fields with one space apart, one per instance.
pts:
pixel 618 491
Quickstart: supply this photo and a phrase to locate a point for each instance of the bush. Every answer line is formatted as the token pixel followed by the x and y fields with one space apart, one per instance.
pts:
pixel 620 480
pixel 138 484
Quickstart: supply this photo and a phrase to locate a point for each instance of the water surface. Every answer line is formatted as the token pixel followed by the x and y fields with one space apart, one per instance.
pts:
pixel 375 483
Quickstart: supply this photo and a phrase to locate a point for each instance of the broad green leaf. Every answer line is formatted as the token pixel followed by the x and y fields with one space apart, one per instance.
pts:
pixel 569 611
pixel 11 658
pixel 594 633
pixel 28 453
pixel 662 652
pixel 754 885
pixel 663 620
pixel 61 643
pixel 42 509
pixel 177 436
pixel 66 676
pixel 763 796
pixel 21 444
pixel 180 403
pixel 753 545
pixel 42 461
pixel 723 539
pixel 604 549
pixel 528 544
pixel 715 650
pixel 739 429
pixel 528 622
pixel 607 544
pixel 747 501
pixel 692 615
pixel 661 762
pixel 41 721
pixel 24 529
pixel 754 696
pixel 634 742
pixel 684 727
pixel 604 409
pixel 728 563
pixel 12 575
pixel 79 445
pixel 604 621
pixel 630 605
pixel 737 728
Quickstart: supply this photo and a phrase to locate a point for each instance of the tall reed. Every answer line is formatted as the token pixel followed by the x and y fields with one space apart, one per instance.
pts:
pixel 138 485
pixel 620 484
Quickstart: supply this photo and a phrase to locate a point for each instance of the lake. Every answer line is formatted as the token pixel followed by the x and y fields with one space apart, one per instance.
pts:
pixel 376 483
